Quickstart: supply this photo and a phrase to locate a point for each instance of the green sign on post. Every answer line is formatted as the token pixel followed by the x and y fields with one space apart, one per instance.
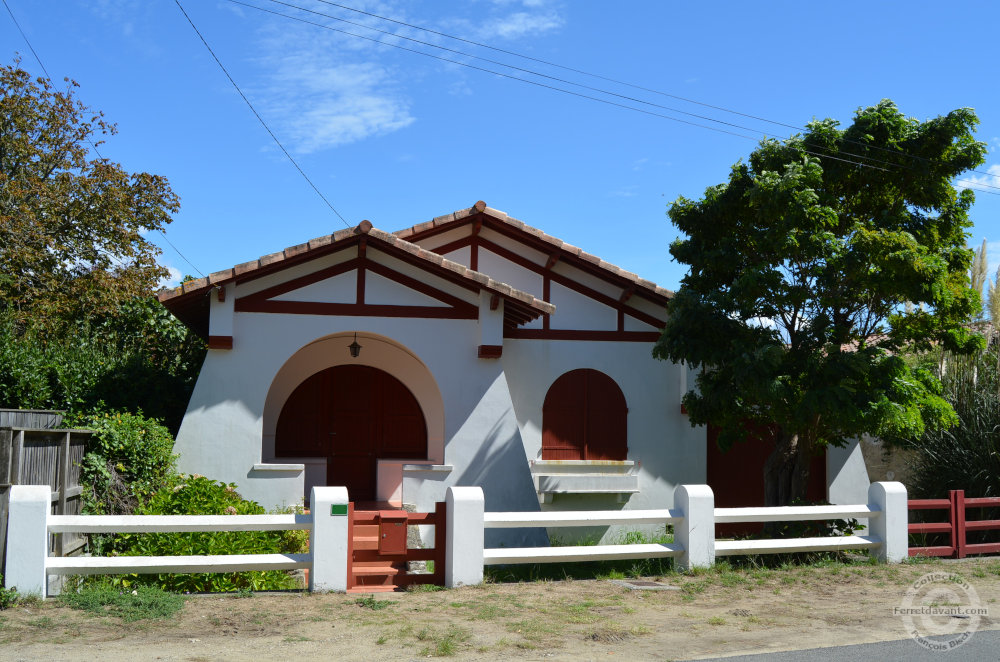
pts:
pixel 338 509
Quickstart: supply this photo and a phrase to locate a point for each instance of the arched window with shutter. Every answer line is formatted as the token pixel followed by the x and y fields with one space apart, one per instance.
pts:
pixel 584 417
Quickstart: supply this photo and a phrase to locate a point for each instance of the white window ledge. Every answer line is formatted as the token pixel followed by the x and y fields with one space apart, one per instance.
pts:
pixel 285 468
pixel 435 468
pixel 552 477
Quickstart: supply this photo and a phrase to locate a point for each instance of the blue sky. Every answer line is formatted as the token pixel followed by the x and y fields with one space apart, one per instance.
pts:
pixel 398 138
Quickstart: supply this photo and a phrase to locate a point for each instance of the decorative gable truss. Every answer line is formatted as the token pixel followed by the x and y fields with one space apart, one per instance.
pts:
pixel 362 271
pixel 360 286
pixel 595 300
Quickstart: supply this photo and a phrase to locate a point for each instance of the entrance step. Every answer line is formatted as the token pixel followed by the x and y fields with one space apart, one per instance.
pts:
pixel 374 576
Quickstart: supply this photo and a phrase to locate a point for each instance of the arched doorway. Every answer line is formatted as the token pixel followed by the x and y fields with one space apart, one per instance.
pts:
pixel 352 415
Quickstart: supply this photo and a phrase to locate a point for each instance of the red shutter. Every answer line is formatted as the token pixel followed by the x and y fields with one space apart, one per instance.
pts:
pixel 607 437
pixel 584 417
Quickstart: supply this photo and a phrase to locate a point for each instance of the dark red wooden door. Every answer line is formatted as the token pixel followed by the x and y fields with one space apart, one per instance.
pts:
pixel 584 417
pixel 352 415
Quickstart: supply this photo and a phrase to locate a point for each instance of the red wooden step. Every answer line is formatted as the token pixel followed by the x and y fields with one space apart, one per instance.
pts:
pixel 375 568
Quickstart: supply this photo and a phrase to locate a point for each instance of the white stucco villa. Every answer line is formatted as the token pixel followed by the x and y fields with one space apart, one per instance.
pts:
pixel 468 350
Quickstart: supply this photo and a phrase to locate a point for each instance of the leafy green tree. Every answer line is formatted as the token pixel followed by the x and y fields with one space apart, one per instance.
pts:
pixel 71 226
pixel 138 358
pixel 800 266
pixel 77 323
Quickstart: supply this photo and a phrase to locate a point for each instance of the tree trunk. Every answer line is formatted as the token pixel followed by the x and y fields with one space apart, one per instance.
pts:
pixel 786 471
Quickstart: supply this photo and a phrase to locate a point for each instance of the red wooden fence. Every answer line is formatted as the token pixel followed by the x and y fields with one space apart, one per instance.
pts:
pixel 956 527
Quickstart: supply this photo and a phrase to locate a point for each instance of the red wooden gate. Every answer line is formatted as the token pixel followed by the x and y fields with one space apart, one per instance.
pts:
pixel 956 526
pixel 379 555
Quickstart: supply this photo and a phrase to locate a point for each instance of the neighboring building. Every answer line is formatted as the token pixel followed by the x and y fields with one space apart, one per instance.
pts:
pixel 485 352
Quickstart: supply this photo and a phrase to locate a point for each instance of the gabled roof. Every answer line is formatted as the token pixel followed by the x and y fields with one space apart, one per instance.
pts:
pixel 533 236
pixel 189 301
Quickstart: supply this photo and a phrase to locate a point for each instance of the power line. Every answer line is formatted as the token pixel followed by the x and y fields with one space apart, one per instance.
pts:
pixel 553 64
pixel 840 156
pixel 569 82
pixel 485 70
pixel 502 64
pixel 620 82
pixel 92 145
pixel 634 86
pixel 177 250
pixel 259 118
pixel 26 40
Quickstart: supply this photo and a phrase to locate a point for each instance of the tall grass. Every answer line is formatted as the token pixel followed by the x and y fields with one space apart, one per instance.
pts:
pixel 967 456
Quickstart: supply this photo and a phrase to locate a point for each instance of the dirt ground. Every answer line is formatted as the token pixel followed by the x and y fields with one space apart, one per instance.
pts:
pixel 716 613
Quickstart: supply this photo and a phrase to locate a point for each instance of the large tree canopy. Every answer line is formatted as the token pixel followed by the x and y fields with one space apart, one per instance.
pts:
pixel 71 226
pixel 800 269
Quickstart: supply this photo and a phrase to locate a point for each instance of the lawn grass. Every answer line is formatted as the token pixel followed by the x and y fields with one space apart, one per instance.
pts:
pixel 145 602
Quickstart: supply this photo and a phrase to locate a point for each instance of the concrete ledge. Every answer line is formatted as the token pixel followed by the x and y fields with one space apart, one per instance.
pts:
pixel 583 466
pixel 288 468
pixel 584 477
pixel 437 468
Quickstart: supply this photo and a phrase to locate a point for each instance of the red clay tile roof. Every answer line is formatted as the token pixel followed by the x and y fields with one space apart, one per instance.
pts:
pixel 537 236
pixel 185 301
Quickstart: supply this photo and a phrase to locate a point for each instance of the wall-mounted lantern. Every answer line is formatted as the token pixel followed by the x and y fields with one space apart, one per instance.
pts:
pixel 355 347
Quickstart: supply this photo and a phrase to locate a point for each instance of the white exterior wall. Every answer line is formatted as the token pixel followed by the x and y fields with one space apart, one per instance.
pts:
pixel 660 439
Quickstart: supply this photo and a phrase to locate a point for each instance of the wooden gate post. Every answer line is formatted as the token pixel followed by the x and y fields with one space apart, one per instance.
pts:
pixel 957 498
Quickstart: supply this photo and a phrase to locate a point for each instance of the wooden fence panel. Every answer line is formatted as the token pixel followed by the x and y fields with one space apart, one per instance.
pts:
pixel 35 419
pixel 956 527
pixel 43 457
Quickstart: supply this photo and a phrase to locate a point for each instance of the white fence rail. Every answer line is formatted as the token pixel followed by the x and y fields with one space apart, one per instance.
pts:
pixel 30 522
pixel 174 523
pixel 693 517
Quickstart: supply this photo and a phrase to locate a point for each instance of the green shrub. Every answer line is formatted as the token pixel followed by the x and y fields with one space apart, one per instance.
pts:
pixel 197 495
pixel 138 358
pixel 8 596
pixel 129 458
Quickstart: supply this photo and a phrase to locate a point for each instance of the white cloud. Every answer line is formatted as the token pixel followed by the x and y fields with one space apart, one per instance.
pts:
pixel 625 192
pixel 460 88
pixel 320 96
pixel 521 24
pixel 970 181
pixel 172 279
pixel 523 3
pixel 992 258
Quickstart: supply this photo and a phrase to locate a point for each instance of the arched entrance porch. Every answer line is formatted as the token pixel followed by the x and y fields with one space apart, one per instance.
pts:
pixel 352 415
pixel 383 396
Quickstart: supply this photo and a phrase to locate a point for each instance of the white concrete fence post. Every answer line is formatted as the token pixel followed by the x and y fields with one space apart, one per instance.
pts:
pixel 696 533
pixel 28 538
pixel 890 527
pixel 463 564
pixel 328 543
